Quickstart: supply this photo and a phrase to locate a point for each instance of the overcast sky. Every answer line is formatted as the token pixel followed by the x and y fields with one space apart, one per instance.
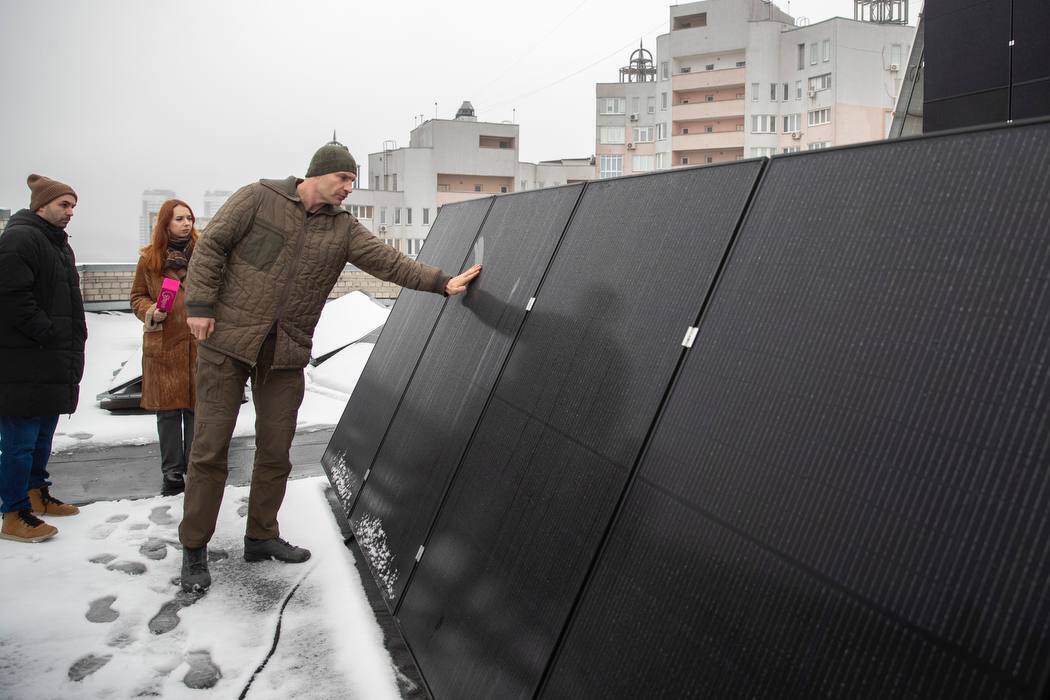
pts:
pixel 117 96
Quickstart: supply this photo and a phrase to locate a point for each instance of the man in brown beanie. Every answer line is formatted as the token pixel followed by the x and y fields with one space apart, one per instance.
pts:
pixel 42 335
pixel 259 276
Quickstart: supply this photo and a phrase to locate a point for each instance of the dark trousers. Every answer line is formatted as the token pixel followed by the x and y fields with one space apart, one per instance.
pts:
pixel 25 448
pixel 220 385
pixel 175 429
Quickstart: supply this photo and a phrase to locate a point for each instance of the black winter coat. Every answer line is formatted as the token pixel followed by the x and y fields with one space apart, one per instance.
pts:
pixel 42 328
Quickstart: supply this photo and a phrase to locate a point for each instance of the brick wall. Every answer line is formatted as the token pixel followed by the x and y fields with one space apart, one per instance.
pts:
pixel 108 285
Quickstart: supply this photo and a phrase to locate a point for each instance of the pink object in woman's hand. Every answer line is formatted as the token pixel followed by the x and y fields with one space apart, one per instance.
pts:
pixel 166 299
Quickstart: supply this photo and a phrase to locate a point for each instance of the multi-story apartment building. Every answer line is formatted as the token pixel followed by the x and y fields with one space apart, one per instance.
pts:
pixel 448 160
pixel 5 216
pixel 739 78
pixel 151 201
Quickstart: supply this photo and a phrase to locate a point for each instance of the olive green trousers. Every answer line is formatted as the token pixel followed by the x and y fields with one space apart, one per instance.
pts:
pixel 277 395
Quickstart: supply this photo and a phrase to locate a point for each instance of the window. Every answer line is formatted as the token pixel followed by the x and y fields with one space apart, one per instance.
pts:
pixel 643 164
pixel 813 54
pixel 426 215
pixel 612 105
pixel 741 64
pixel 661 160
pixel 397 215
pixel 762 152
pixel 709 66
pixel 650 104
pixel 825 50
pixel 413 246
pixel 443 187
pixel 386 182
pixel 792 149
pixel 709 129
pixel 801 56
pixel 895 54
pixel 798 89
pixel 818 145
pixel 665 70
pixel 408 214
pixel 382 215
pixel 477 188
pixel 503 188
pixel 685 129
pixel 368 211
pixel 685 160
pixel 792 122
pixel 392 242
pixel 643 134
pixel 610 166
pixel 754 92
pixel 663 100
pixel 611 134
pixel 394 179
pixel 377 183
pixel 820 116
pixel 661 131
pixel 763 124
pixel 636 105
pixel 784 92
pixel 709 159
pixel 772 92
pixel 820 82
pixel 709 98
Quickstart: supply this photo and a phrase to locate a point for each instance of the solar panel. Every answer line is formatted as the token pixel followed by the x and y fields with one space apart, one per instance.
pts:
pixel 550 458
pixel 353 446
pixel 847 492
pixel 455 377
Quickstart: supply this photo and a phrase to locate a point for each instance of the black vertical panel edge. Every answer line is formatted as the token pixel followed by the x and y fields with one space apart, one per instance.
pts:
pixel 602 546
pixel 488 400
pixel 1010 64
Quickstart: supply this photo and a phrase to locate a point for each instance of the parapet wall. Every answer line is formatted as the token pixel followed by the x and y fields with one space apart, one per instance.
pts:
pixel 107 286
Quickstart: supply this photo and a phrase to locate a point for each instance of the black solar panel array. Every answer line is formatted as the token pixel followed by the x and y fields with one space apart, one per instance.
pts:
pixel 356 439
pixel 455 377
pixel 840 490
pixel 847 492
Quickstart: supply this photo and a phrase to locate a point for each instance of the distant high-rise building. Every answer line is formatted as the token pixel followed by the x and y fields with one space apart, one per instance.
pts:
pixel 5 216
pixel 213 199
pixel 737 79
pixel 151 201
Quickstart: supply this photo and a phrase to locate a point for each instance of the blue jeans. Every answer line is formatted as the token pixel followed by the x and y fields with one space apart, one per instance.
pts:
pixel 25 448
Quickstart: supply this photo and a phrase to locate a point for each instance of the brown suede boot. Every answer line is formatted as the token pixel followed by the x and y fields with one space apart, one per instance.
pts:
pixel 23 526
pixel 43 503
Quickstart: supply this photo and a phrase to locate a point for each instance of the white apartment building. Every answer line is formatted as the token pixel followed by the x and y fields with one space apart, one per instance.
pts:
pixel 151 201
pixel 737 79
pixel 448 160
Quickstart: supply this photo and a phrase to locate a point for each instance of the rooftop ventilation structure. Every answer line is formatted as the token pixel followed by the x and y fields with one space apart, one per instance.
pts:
pixel 640 68
pixel 881 11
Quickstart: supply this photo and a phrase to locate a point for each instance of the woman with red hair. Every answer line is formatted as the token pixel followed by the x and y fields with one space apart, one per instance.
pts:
pixel 169 351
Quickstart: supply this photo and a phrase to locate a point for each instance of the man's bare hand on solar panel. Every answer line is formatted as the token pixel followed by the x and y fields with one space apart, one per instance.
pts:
pixel 459 283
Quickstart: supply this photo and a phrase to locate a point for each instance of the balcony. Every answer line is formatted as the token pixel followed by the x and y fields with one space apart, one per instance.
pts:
pixel 718 140
pixel 719 109
pixel 699 80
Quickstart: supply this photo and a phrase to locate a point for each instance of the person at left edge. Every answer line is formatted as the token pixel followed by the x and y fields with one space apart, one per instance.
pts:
pixel 169 350
pixel 42 336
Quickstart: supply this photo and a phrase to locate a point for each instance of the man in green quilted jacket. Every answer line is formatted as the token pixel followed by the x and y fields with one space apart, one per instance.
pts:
pixel 259 276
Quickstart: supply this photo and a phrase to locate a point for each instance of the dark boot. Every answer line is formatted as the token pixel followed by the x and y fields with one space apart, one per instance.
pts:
pixel 173 485
pixel 263 550
pixel 195 576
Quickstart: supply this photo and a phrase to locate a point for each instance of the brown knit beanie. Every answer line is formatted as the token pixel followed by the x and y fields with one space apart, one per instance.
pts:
pixel 45 190
pixel 331 158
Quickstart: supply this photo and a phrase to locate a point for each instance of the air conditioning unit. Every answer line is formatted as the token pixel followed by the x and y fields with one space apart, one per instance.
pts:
pixel 630 147
pixel 894 68
pixel 812 92
pixel 634 117
pixel 796 135
pixel 382 228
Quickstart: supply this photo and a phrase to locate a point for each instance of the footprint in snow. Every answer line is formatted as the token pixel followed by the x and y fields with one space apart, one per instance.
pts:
pixel 167 618
pixel 132 568
pixel 161 516
pixel 102 558
pixel 203 672
pixel 101 610
pixel 86 665
pixel 102 531
pixel 242 510
pixel 137 526
pixel 154 549
pixel 120 638
pixel 119 518
pixel 80 436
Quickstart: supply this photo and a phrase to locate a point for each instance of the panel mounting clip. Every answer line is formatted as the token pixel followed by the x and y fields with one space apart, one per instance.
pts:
pixel 532 300
pixel 419 554
pixel 367 472
pixel 690 336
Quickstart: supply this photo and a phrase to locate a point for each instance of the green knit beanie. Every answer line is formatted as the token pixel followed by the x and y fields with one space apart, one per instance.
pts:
pixel 331 158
